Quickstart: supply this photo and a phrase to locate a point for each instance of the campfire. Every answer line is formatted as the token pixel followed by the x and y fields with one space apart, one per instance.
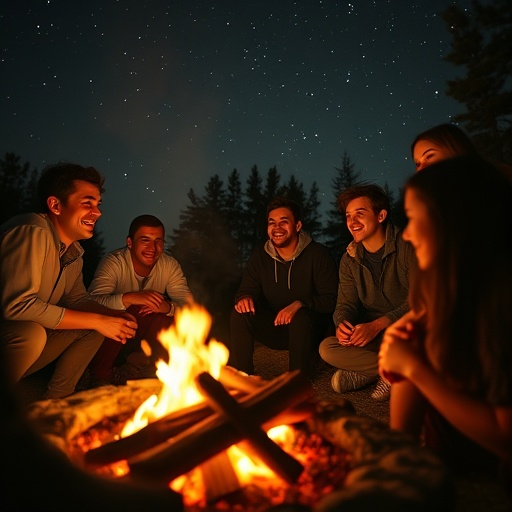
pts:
pixel 211 418
pixel 215 435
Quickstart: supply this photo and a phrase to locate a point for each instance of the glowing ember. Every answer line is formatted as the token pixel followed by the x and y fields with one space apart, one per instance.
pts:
pixel 189 355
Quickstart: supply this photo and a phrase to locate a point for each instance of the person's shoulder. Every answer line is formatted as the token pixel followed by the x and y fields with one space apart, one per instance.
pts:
pixel 25 219
pixel 117 255
pixel 318 247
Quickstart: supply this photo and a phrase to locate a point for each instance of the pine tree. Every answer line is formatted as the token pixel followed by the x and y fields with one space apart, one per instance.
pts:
pixel 396 214
pixel 255 204
pixel 234 210
pixel 312 217
pixel 273 186
pixel 336 233
pixel 482 44
pixel 207 252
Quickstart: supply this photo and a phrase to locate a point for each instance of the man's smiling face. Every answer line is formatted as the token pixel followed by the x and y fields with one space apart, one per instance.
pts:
pixel 76 217
pixel 282 229
pixel 362 222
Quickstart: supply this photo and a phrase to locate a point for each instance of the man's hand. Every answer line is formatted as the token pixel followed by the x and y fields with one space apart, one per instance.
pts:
pixel 344 332
pixel 361 334
pixel 119 328
pixel 284 317
pixel 398 355
pixel 245 305
pixel 150 301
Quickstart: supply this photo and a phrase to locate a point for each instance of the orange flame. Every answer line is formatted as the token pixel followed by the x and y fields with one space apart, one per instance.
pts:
pixel 189 355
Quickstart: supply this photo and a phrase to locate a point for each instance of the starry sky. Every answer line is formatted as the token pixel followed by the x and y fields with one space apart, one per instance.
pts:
pixel 162 95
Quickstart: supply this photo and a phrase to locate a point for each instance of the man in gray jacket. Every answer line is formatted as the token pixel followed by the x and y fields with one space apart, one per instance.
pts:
pixel 147 283
pixel 372 292
pixel 46 313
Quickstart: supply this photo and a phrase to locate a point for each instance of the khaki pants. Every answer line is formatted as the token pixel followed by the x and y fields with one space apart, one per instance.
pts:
pixel 357 359
pixel 30 347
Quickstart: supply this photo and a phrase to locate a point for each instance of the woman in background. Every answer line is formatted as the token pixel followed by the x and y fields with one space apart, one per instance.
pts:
pixel 440 143
pixel 450 357
pixel 446 141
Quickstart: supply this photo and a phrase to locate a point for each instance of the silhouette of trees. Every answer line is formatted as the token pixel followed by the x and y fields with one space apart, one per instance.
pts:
pixel 205 244
pixel 482 45
pixel 397 213
pixel 17 187
pixel 336 233
pixel 219 230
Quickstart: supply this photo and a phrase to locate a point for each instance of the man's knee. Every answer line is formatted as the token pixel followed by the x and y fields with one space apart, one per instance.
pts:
pixel 328 348
pixel 24 343
pixel 303 317
pixel 240 320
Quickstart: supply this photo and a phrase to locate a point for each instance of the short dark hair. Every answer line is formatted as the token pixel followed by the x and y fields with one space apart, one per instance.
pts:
pixel 378 197
pixel 144 221
pixel 59 180
pixel 285 202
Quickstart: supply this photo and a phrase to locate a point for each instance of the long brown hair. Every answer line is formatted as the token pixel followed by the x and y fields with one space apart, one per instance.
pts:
pixel 467 292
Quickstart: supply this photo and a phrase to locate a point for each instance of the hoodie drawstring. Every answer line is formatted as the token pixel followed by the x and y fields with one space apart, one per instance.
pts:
pixel 289 273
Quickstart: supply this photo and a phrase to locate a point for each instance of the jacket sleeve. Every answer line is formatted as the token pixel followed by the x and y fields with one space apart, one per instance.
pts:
pixel 325 277
pixel 104 286
pixel 23 252
pixel 250 285
pixel 348 303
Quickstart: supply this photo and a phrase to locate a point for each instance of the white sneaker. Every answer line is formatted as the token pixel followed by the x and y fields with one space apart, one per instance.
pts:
pixel 347 380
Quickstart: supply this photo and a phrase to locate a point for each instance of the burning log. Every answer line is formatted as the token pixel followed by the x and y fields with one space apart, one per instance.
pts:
pixel 269 452
pixel 216 433
pixel 173 424
pixel 236 380
pixel 60 420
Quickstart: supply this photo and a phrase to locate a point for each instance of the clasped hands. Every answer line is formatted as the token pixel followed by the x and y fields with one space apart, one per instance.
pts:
pixel 149 301
pixel 400 348
pixel 359 335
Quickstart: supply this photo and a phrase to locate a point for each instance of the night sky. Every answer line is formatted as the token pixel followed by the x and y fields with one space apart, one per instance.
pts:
pixel 160 96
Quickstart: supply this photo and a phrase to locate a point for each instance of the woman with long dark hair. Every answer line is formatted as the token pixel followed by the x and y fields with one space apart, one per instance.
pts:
pixel 450 357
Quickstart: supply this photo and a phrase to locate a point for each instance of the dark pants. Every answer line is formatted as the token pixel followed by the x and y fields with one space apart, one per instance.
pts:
pixel 300 337
pixel 148 328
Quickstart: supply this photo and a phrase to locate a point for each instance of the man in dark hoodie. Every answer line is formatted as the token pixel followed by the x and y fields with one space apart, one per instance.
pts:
pixel 287 294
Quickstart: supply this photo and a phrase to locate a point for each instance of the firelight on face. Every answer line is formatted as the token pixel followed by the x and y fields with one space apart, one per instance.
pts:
pixel 419 230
